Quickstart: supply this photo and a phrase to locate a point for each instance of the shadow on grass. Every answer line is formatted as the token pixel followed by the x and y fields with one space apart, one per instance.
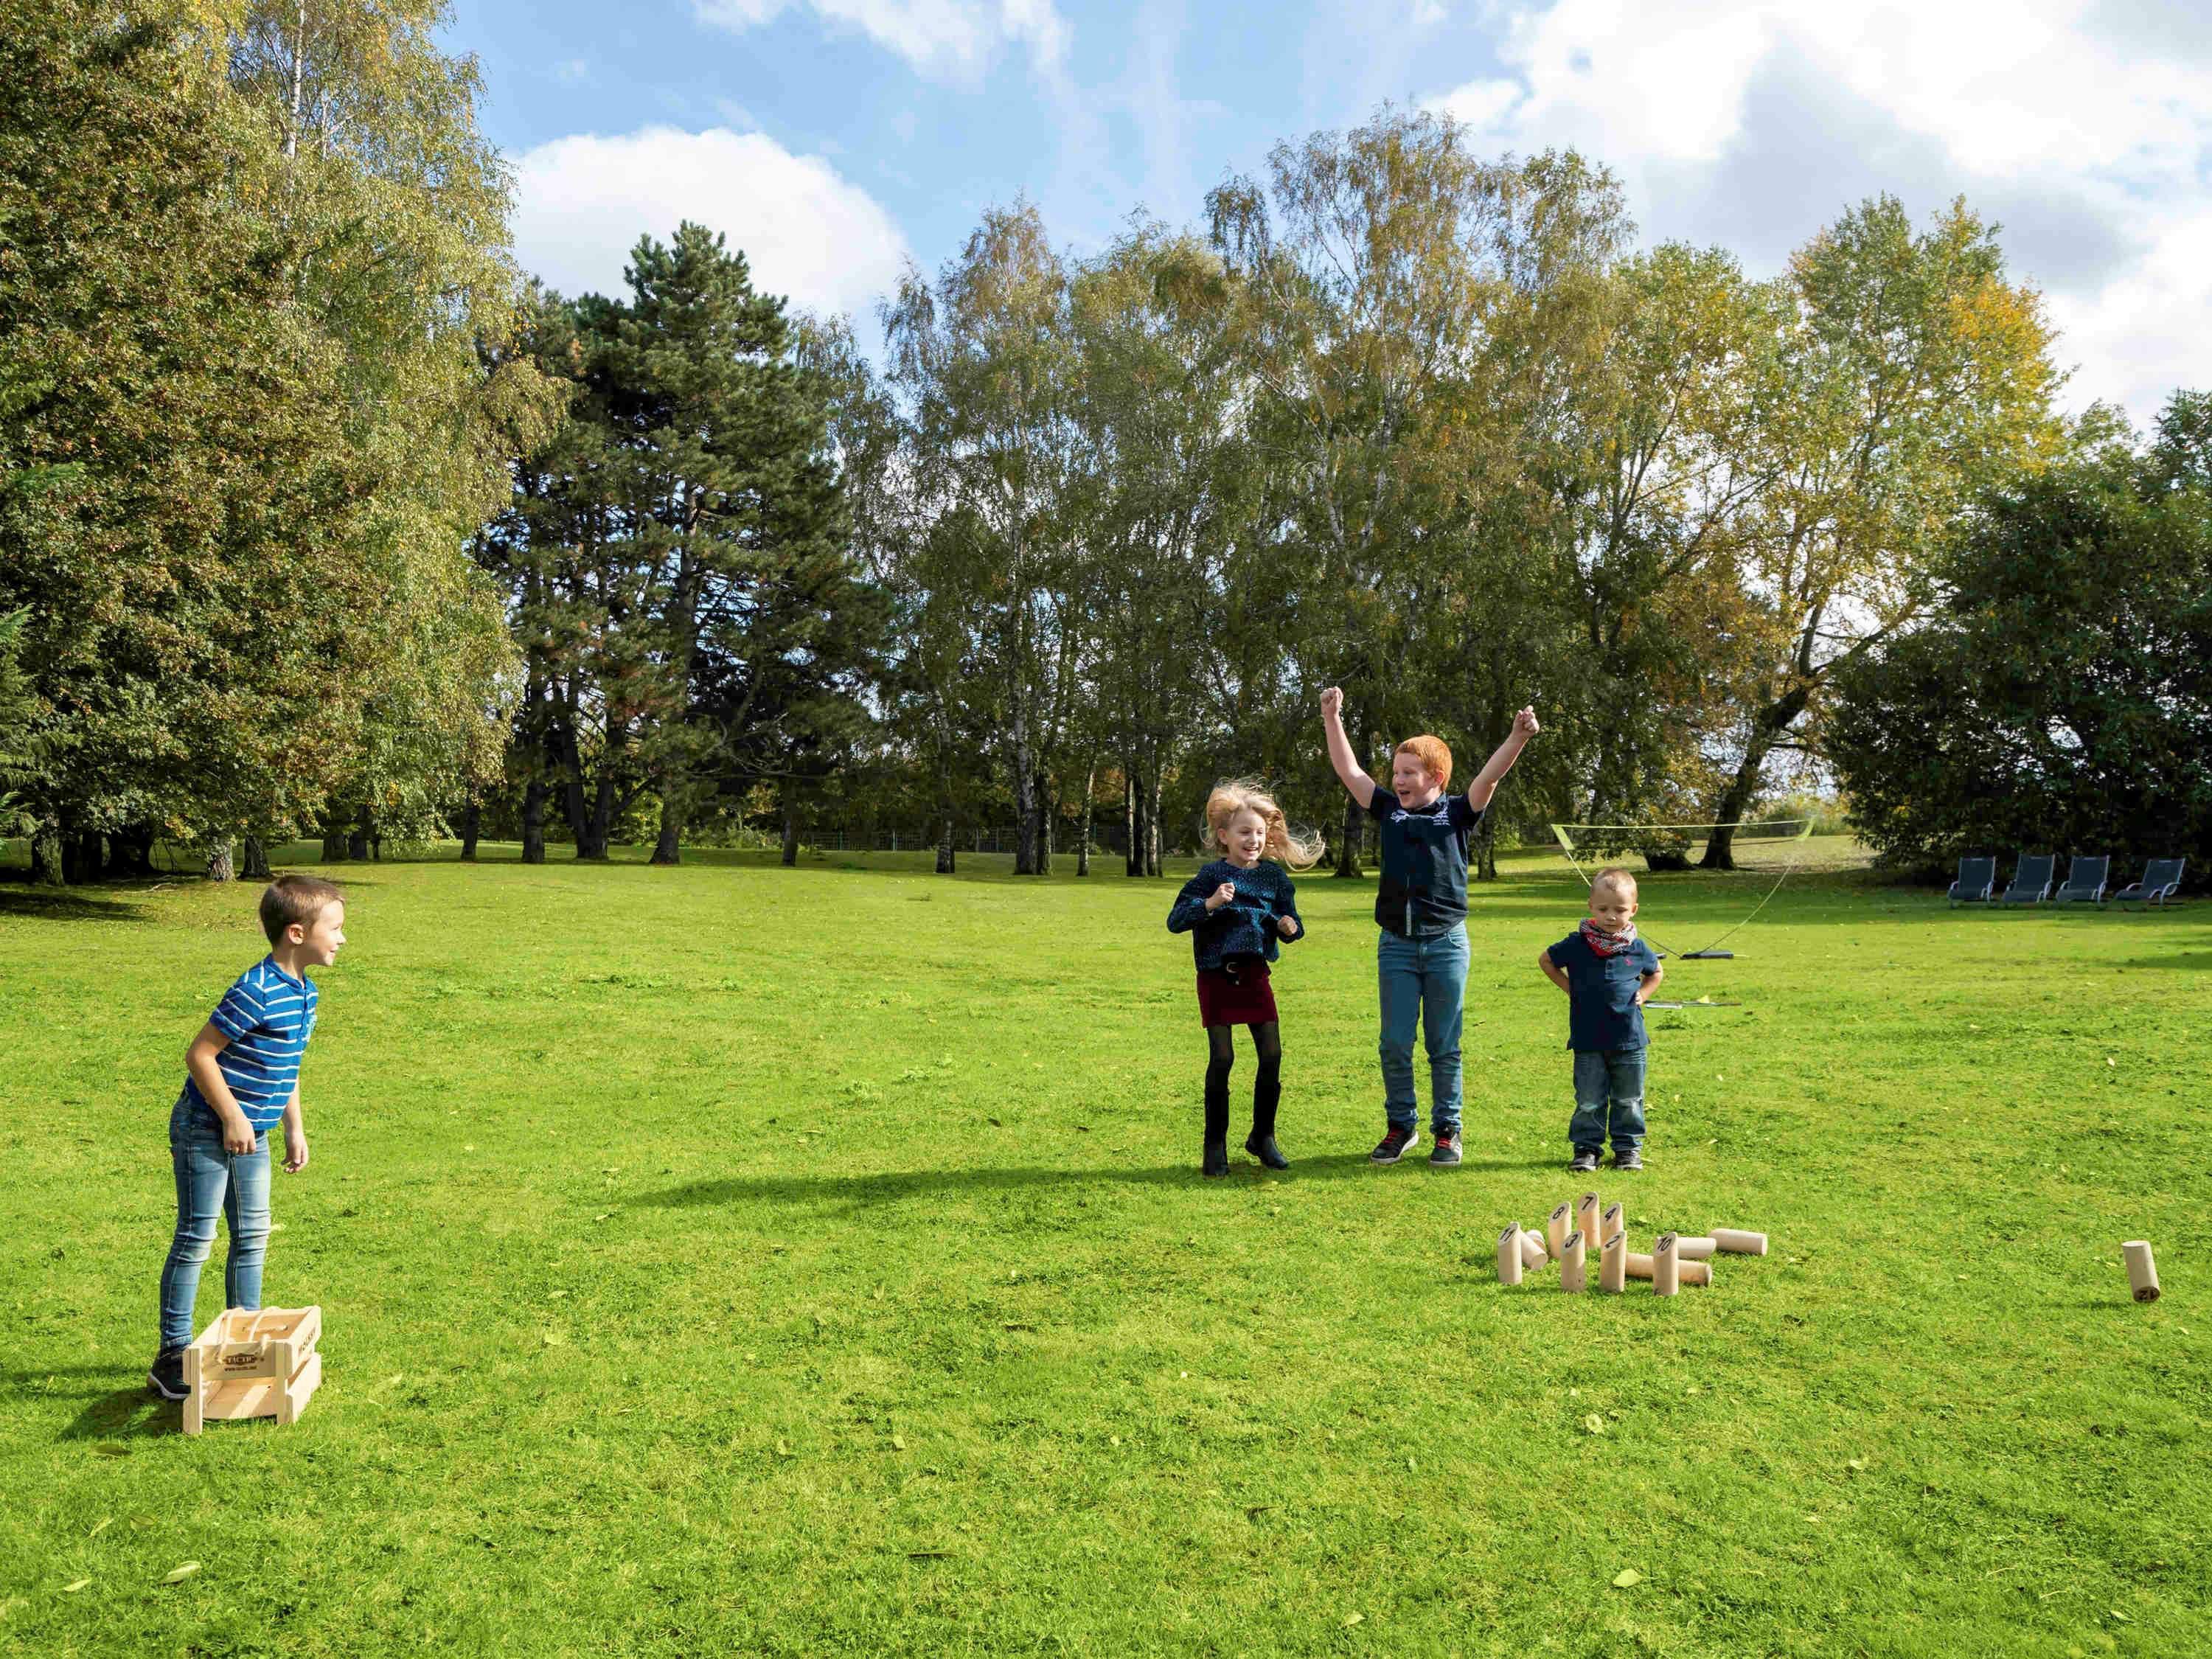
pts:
pixel 127 1413
pixel 68 904
pixel 2196 960
pixel 893 1187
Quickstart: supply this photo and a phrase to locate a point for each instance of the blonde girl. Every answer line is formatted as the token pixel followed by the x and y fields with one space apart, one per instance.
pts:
pixel 1238 910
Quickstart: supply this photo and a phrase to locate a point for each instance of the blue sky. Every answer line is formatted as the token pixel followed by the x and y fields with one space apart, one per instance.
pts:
pixel 836 139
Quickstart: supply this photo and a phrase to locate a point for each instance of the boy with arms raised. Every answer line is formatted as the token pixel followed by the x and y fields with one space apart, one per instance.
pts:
pixel 241 1080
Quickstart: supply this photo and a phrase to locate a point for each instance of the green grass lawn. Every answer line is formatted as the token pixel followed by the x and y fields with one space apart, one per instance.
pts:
pixel 731 1259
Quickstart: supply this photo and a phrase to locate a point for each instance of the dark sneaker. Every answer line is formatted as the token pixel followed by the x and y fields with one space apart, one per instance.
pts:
pixel 1263 1147
pixel 167 1378
pixel 1216 1161
pixel 1627 1157
pixel 1583 1163
pixel 1395 1144
pixel 1446 1150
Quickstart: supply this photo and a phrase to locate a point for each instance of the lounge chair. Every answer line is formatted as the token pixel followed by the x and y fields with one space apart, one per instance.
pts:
pixel 2084 882
pixel 2030 882
pixel 1976 883
pixel 2160 884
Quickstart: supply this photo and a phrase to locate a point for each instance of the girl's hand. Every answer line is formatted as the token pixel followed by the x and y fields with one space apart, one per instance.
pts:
pixel 296 1151
pixel 1225 894
pixel 237 1136
pixel 1287 926
pixel 1525 726
pixel 1332 703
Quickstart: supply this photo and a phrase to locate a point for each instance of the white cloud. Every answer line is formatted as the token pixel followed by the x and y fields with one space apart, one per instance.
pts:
pixel 945 40
pixel 582 201
pixel 1753 122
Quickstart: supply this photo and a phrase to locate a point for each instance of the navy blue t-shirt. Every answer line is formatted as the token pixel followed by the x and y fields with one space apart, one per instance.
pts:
pixel 1602 1012
pixel 1424 890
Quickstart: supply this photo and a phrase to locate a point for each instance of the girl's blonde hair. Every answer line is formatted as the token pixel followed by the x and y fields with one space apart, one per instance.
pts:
pixel 1285 846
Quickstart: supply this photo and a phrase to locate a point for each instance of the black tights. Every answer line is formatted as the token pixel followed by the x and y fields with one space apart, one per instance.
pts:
pixel 1267 1084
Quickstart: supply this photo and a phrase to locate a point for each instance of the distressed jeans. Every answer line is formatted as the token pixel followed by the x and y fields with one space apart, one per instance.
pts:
pixel 1423 982
pixel 211 1182
pixel 1608 1098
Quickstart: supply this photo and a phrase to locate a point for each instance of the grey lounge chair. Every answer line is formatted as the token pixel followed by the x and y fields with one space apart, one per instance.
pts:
pixel 2030 882
pixel 2084 882
pixel 1976 883
pixel 2160 884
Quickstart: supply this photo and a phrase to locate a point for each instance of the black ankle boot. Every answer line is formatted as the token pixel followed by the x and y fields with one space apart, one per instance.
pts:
pixel 1263 1147
pixel 1216 1160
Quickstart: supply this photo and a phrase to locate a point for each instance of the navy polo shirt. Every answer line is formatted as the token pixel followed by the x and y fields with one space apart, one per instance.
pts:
pixel 1424 890
pixel 1602 1012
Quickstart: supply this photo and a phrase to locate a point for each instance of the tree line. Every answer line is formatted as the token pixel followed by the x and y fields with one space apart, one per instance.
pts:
pixel 318 517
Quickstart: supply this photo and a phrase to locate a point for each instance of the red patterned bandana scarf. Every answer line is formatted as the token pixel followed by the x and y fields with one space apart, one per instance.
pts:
pixel 1605 944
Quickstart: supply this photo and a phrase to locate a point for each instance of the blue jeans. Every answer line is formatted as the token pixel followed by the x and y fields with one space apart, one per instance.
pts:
pixel 1608 1096
pixel 211 1180
pixel 1423 981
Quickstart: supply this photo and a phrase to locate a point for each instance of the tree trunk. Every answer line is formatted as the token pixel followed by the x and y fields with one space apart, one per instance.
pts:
pixel 1767 729
pixel 1152 819
pixel 1133 852
pixel 1025 818
pixel 1082 822
pixel 598 827
pixel 46 854
pixel 334 841
pixel 1348 842
pixel 219 867
pixel 255 867
pixel 790 826
pixel 357 838
pixel 667 849
pixel 1485 851
pixel 471 826
pixel 131 851
pixel 945 851
pixel 533 821
pixel 1048 812
pixel 84 858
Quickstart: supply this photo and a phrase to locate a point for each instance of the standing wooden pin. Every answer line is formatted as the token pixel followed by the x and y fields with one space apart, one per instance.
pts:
pixel 2142 1271
pixel 1614 1225
pixel 1573 1271
pixel 1509 1254
pixel 1666 1267
pixel 1613 1265
pixel 1557 1226
pixel 1587 1215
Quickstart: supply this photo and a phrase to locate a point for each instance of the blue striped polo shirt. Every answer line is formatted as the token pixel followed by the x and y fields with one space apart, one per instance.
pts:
pixel 268 1016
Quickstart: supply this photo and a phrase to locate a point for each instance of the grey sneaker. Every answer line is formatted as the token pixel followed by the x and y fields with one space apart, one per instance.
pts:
pixel 1583 1163
pixel 1445 1152
pixel 1627 1157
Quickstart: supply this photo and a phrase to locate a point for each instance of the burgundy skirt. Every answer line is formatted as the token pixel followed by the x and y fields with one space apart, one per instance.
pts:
pixel 1248 999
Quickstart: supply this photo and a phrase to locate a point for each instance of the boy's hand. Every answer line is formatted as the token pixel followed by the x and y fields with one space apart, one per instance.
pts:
pixel 1332 703
pixel 237 1135
pixel 1525 726
pixel 1225 894
pixel 296 1150
pixel 1286 926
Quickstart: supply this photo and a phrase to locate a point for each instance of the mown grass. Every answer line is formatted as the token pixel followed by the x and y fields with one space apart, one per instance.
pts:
pixel 733 1259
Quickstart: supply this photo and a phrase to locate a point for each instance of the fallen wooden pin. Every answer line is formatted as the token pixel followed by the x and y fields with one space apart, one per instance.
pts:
pixel 1736 1242
pixel 2142 1271
pixel 1533 1253
pixel 1636 1265
pixel 253 1363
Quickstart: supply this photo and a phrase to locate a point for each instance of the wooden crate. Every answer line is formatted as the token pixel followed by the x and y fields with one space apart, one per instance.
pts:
pixel 261 1363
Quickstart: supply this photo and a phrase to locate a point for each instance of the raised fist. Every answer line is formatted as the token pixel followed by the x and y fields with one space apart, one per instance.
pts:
pixel 1524 724
pixel 1332 703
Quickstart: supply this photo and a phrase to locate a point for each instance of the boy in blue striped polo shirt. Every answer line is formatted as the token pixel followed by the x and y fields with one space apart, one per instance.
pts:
pixel 241 1080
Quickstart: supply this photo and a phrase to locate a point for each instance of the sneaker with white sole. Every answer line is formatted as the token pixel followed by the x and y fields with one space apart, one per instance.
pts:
pixel 166 1375
pixel 1395 1144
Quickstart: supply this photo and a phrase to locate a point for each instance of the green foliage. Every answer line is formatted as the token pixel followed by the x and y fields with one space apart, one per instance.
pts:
pixel 2060 699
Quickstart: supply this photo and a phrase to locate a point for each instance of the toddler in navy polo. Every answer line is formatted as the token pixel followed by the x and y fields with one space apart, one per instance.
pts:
pixel 241 1081
pixel 1607 973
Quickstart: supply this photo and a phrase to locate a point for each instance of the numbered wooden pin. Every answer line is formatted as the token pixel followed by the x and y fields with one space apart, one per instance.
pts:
pixel 1666 1267
pixel 2142 1271
pixel 1613 1265
pixel 1573 1270
pixel 1509 1254
pixel 1557 1226
pixel 1613 1225
pixel 1588 1214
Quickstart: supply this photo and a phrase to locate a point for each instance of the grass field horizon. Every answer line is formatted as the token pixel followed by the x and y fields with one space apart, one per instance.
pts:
pixel 735 1259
